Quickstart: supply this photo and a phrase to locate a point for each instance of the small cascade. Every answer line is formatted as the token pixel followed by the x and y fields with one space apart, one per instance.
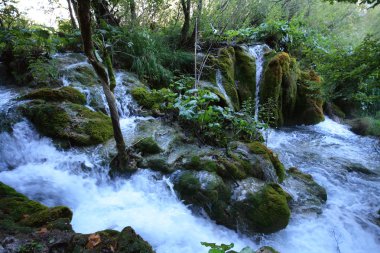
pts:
pixel 258 52
pixel 219 82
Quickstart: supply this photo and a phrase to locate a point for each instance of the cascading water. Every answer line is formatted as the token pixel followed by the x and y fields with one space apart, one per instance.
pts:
pixel 78 178
pixel 330 153
pixel 258 53
pixel 219 82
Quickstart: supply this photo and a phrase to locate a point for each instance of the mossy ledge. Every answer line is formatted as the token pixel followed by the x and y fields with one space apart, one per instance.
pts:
pixel 67 121
pixel 68 94
pixel 34 227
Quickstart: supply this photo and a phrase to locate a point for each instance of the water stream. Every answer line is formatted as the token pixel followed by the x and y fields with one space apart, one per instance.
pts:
pixel 257 52
pixel 78 178
pixel 219 82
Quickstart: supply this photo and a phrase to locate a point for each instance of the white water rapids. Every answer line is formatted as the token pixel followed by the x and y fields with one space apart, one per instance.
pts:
pixel 78 178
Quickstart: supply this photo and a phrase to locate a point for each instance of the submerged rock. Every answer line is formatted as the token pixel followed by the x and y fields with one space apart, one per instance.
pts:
pixel 307 195
pixel 67 121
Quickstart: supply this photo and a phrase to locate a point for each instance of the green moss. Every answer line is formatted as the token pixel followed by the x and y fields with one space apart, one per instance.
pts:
pixel 158 165
pixel 309 105
pixel 267 249
pixel 68 121
pixel 130 242
pixel 198 163
pixel 365 126
pixel 45 216
pixel 226 64
pixel 57 95
pixel 260 149
pixel 268 209
pixel 148 146
pixel 14 206
pixel 245 74
pixel 148 99
pixel 232 169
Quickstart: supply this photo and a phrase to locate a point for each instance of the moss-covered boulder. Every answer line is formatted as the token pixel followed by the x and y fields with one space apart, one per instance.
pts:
pixel 226 64
pixel 204 190
pixel 70 122
pixel 279 86
pixel 46 216
pixel 267 249
pixel 18 214
pixel 245 74
pixel 260 161
pixel 147 146
pixel 68 94
pixel 263 211
pixel 126 241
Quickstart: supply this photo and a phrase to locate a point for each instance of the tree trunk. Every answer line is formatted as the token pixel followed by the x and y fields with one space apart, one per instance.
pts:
pixel 186 24
pixel 85 27
pixel 73 23
pixel 102 12
pixel 197 26
pixel 132 6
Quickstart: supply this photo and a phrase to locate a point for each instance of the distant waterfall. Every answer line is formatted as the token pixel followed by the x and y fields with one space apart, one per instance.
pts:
pixel 219 82
pixel 258 52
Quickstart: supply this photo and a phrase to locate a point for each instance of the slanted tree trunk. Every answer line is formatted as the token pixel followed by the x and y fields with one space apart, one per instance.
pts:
pixel 186 24
pixel 73 23
pixel 101 71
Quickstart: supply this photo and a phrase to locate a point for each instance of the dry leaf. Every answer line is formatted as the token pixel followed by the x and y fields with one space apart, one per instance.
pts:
pixel 93 240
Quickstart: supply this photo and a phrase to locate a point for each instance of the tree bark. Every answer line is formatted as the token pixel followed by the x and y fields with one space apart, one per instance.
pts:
pixel 85 27
pixel 73 23
pixel 102 12
pixel 132 6
pixel 197 26
pixel 186 24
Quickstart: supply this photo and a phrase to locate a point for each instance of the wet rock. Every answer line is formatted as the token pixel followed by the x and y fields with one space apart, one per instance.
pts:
pixel 266 249
pixel 68 94
pixel 358 168
pixel 308 196
pixel 147 146
pixel 263 209
pixel 36 228
pixel 67 121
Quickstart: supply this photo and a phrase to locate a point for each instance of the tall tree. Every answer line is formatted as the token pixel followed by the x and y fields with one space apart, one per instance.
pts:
pixel 104 76
pixel 73 23
pixel 103 10
pixel 186 4
pixel 132 7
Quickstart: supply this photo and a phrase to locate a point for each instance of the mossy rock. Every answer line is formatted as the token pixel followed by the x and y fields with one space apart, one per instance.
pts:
pixel 201 163
pixel 204 190
pixel 82 75
pixel 68 94
pixel 226 63
pixel 317 194
pixel 46 216
pixel 158 164
pixel 309 104
pixel 16 206
pixel 267 249
pixel 266 211
pixel 130 242
pixel 150 100
pixel 365 126
pixel 147 146
pixel 71 122
pixel 245 74
pixel 256 167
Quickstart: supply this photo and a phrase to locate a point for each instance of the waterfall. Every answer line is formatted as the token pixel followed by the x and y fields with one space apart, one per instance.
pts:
pixel 258 53
pixel 219 82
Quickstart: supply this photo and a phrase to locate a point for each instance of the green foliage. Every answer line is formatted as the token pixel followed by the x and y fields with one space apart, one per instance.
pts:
pixel 223 248
pixel 32 247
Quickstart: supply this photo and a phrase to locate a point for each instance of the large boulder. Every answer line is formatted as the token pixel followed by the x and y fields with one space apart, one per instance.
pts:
pixel 260 208
pixel 245 74
pixel 69 122
pixel 68 94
